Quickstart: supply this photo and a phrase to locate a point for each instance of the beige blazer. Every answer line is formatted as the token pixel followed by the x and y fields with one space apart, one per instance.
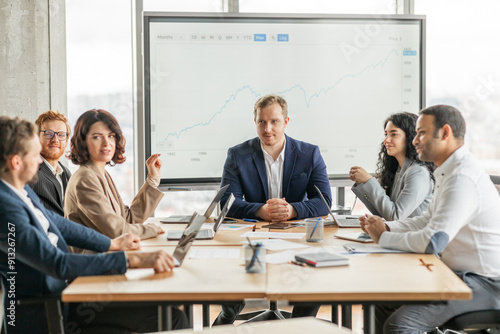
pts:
pixel 90 202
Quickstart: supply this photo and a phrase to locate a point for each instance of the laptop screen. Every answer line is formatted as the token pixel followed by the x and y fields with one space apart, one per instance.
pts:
pixel 223 212
pixel 188 237
pixel 216 201
pixel 324 202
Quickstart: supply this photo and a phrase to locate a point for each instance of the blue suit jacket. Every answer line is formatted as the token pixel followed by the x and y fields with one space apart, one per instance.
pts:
pixel 41 268
pixel 245 172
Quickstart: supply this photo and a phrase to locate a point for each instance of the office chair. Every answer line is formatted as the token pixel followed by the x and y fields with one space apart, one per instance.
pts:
pixel 487 321
pixel 273 313
pixel 53 311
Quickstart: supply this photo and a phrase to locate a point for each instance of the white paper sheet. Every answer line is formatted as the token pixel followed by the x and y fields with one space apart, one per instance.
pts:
pixel 281 257
pixel 279 244
pixel 234 227
pixel 275 235
pixel 214 253
pixel 368 248
pixel 226 227
pixel 138 274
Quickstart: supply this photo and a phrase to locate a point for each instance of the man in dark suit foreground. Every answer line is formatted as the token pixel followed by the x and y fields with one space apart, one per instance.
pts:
pixel 53 131
pixel 272 178
pixel 34 256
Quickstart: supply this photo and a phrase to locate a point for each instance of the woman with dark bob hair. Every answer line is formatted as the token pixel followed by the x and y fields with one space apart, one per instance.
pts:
pixel 91 197
pixel 405 184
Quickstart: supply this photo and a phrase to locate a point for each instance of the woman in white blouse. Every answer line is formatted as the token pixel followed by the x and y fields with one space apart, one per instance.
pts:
pixel 404 184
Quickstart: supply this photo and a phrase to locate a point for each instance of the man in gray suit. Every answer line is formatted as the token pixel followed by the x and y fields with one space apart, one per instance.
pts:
pixel 53 131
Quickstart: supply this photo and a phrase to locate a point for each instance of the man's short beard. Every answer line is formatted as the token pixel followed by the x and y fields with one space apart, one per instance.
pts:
pixel 52 156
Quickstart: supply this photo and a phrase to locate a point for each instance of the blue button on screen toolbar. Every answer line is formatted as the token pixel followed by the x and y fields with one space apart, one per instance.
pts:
pixel 409 53
pixel 259 37
pixel 282 37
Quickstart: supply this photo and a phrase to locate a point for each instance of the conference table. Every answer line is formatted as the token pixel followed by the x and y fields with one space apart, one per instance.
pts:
pixel 369 279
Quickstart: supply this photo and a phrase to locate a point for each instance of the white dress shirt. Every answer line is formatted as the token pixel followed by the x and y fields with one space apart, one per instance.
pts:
pixel 461 222
pixel 274 171
pixel 42 220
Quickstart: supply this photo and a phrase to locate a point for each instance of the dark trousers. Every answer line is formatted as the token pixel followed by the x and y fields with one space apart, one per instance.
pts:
pixel 228 313
pixel 94 318
pixel 305 311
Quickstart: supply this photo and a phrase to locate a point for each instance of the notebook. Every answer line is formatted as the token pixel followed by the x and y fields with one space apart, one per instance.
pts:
pixel 179 219
pixel 322 258
pixel 206 234
pixel 188 236
pixel 341 221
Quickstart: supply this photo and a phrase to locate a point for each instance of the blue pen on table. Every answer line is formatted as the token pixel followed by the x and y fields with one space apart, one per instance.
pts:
pixel 250 220
pixel 255 252
pixel 315 227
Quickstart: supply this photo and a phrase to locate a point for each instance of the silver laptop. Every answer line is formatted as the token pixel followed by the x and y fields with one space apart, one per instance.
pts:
pixel 205 234
pixel 187 238
pixel 341 221
pixel 180 219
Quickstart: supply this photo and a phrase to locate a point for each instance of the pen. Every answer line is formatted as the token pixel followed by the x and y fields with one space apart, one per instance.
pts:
pixel 249 264
pixel 255 255
pixel 315 227
pixel 349 249
pixel 254 249
pixel 297 263
pixel 250 220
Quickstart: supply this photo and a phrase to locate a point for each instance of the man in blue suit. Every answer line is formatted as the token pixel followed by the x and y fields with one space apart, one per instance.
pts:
pixel 272 178
pixel 34 256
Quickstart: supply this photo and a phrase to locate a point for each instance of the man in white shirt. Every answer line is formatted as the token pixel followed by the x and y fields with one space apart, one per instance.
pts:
pixel 54 132
pixel 460 225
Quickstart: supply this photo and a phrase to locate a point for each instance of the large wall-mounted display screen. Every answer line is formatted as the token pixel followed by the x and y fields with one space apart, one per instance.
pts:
pixel 342 76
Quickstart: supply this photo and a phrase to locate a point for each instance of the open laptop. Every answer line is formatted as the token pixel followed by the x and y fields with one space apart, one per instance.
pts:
pixel 345 221
pixel 180 219
pixel 187 238
pixel 205 234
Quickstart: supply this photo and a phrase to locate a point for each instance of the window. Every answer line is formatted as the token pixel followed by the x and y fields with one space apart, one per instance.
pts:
pixel 462 68
pixel 99 69
pixel 319 6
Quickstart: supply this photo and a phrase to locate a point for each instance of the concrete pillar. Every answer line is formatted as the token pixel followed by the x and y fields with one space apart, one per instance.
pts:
pixel 32 57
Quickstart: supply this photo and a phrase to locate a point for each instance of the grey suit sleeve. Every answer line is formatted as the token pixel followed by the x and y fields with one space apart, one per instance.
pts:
pixel 417 186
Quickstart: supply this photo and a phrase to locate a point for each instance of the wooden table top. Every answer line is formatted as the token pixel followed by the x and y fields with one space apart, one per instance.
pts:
pixel 195 280
pixel 371 277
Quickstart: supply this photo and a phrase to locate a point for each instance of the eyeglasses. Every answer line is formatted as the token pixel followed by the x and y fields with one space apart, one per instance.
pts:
pixel 49 134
